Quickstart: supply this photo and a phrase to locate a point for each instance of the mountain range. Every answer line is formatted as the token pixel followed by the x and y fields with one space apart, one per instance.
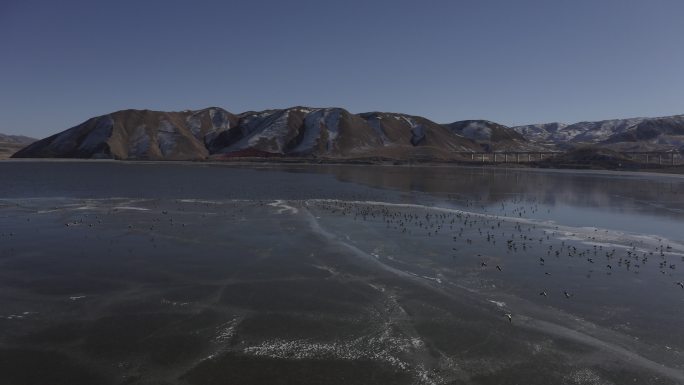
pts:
pixel 334 133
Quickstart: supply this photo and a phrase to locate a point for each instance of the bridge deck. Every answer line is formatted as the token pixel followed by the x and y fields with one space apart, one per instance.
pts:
pixel 646 157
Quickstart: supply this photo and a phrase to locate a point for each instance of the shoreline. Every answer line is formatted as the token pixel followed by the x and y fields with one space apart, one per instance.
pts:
pixel 676 171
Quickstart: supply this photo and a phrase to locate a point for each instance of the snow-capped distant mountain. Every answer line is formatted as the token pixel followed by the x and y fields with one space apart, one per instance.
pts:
pixel 634 134
pixel 595 132
pixel 484 130
pixel 539 132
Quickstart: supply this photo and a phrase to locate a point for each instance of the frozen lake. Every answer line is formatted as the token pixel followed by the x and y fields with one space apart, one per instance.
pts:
pixel 184 273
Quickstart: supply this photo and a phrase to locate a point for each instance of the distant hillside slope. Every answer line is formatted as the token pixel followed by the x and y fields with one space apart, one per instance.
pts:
pixel 494 136
pixel 9 144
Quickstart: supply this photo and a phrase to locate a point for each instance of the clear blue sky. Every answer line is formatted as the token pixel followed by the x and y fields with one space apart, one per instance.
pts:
pixel 511 61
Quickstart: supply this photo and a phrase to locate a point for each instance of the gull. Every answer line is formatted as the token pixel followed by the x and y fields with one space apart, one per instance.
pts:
pixel 509 316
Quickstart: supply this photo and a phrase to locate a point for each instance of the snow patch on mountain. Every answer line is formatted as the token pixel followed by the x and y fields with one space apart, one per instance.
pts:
pixel 274 131
pixel 539 132
pixel 477 130
pixel 314 125
pixel 374 123
pixel 331 119
pixel 166 137
pixel 98 135
pixel 600 131
pixel 265 130
pixel 194 123
pixel 417 131
pixel 139 142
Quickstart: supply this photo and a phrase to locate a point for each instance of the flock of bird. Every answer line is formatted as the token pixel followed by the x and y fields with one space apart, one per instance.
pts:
pixel 468 231
pixel 510 227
